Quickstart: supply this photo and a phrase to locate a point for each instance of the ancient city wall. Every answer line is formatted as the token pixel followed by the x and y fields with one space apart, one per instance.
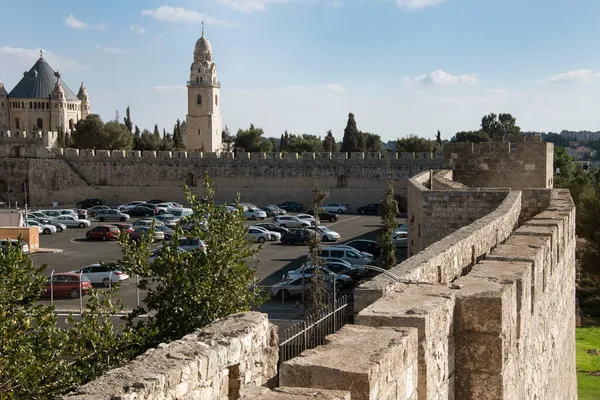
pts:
pixel 213 363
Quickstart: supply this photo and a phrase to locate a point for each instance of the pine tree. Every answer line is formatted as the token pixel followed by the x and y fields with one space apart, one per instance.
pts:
pixel 438 138
pixel 329 143
pixel 178 136
pixel 281 143
pixel 127 120
pixel 354 140
pixel 389 210
pixel 318 288
pixel 137 139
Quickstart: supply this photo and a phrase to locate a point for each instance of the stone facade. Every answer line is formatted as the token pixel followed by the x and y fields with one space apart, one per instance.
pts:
pixel 485 313
pixel 204 125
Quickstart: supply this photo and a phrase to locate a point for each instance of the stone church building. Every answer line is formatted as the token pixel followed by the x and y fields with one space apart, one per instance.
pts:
pixel 41 101
pixel 204 126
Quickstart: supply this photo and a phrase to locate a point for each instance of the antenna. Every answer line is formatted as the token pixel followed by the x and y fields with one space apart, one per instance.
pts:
pixel 202 28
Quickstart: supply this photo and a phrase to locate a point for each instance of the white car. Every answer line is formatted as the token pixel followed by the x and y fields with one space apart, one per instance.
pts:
pixel 163 208
pixel 130 205
pixel 255 213
pixel 273 236
pixel 307 217
pixel 43 228
pixel 147 223
pixel 72 222
pixel 289 221
pixel 401 228
pixel 400 239
pixel 327 234
pixel 335 208
pixel 104 274
pixel 257 235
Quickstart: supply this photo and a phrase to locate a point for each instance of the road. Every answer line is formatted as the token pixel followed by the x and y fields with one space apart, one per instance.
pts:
pixel 274 258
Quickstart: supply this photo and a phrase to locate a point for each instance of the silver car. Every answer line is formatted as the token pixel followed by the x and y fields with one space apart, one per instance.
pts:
pixel 72 221
pixel 111 215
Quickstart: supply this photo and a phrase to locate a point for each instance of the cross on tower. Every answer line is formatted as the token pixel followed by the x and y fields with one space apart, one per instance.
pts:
pixel 202 28
pixel 41 53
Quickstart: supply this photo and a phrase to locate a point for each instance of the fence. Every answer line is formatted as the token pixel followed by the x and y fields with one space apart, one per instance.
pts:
pixel 311 333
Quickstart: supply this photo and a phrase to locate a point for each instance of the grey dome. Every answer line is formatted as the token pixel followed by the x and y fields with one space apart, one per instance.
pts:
pixel 39 83
pixel 203 46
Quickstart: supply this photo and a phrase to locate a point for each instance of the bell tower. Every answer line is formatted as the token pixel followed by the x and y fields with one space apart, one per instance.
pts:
pixel 204 92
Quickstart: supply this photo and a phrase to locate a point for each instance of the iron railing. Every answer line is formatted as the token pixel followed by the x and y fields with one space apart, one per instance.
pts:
pixel 311 332
pixel 203 84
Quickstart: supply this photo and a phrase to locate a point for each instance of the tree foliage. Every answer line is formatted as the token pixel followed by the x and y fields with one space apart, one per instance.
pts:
pixel 389 210
pixel 498 126
pixel 438 137
pixel 471 136
pixel 127 120
pixel 252 140
pixel 564 167
pixel 416 144
pixel 303 143
pixel 189 290
pixel 227 140
pixel 92 133
pixel 317 293
pixel 372 142
pixel 329 143
pixel 178 143
pixel 354 140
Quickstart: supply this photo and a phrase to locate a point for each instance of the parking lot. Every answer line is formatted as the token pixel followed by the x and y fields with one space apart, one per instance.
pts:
pixel 275 259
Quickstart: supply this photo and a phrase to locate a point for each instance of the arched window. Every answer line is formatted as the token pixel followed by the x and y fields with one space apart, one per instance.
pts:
pixel 197 80
pixel 23 104
pixel 342 181
pixel 201 79
pixel 40 123
pixel 190 179
pixel 216 100
pixel 199 99
pixel 35 105
pixel 17 124
pixel 71 125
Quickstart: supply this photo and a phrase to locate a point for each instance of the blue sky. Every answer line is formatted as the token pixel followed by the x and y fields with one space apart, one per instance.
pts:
pixel 401 66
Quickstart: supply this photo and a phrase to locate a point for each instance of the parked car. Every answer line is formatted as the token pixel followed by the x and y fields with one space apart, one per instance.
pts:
pixel 189 244
pixel 67 284
pixel 336 208
pixel 57 213
pixel 130 205
pixel 127 228
pixel 103 232
pixel 273 236
pixel 5 243
pixel 296 237
pixel 364 245
pixel 257 235
pixel 241 205
pixel 273 228
pixel 180 211
pixel 72 222
pixel 147 222
pixel 306 217
pixel 271 210
pixel 158 252
pixel 168 232
pixel 141 231
pixel 168 219
pixel 81 213
pixel 155 201
pixel 326 233
pixel 308 270
pixel 324 215
pixel 291 206
pixel 59 227
pixel 45 229
pixel 103 273
pixel 401 228
pixel 88 203
pixel 92 211
pixel 400 239
pixel 38 214
pixel 290 288
pixel 142 211
pixel 345 246
pixel 254 214
pixel 373 208
pixel 111 215
pixel 289 221
pixel 349 254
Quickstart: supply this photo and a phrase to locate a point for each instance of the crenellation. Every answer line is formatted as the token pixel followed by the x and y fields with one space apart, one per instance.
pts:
pixel 308 156
pixel 148 154
pixel 228 155
pixel 407 156
pixel 357 156
pixel 340 155
pixel 210 155
pixel 118 153
pixel 164 154
pixel 258 156
pixel 290 156
pixel 195 155
pixel 102 153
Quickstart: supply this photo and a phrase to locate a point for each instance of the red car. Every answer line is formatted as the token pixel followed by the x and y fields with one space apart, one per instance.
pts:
pixel 103 232
pixel 67 284
pixel 127 228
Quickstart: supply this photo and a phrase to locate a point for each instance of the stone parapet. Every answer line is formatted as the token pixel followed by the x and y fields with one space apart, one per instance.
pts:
pixel 213 363
pixel 290 393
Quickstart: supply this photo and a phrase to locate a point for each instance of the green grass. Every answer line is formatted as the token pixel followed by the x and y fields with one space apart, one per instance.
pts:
pixel 589 386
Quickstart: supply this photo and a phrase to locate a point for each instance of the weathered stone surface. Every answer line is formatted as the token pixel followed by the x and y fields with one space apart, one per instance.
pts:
pixel 371 363
pixel 291 393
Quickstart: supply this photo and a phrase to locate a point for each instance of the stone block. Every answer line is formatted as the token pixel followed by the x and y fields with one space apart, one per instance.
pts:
pixel 210 155
pixel 308 156
pixel 429 309
pixel 164 154
pixel 383 366
pixel 357 156
pixel 340 155
pixel 180 154
pixel 149 154
pixel 118 154
pixel 291 393
pixel 548 231
pixel 103 153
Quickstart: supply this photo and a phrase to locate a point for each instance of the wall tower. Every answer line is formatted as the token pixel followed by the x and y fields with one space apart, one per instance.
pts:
pixel 3 108
pixel 85 101
pixel 204 92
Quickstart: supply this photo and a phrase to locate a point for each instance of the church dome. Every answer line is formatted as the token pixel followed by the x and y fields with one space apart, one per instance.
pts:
pixel 39 83
pixel 82 94
pixel 203 46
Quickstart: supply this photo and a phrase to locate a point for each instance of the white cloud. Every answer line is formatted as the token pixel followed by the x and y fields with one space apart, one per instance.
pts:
pixel 574 76
pixel 74 23
pixel 334 87
pixel 251 5
pixel 167 88
pixel 137 29
pixel 179 14
pixel 24 58
pixel 418 4
pixel 439 77
pixel 114 50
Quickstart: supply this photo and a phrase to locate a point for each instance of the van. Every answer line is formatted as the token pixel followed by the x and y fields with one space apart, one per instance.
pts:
pixel 351 255
pixel 180 212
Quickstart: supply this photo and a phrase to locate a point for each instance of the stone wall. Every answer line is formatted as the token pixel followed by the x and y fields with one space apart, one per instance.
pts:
pixel 214 363
pixel 434 214
pixel 517 165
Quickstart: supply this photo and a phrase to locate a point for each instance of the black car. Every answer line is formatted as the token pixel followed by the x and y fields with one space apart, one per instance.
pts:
pixel 141 211
pixel 324 215
pixel 270 210
pixel 291 206
pixel 373 208
pixel 273 228
pixel 368 246
pixel 155 201
pixel 87 203
pixel 166 230
pixel 296 237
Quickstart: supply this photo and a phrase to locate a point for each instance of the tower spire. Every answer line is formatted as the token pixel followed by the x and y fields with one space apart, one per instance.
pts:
pixel 41 53
pixel 202 28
